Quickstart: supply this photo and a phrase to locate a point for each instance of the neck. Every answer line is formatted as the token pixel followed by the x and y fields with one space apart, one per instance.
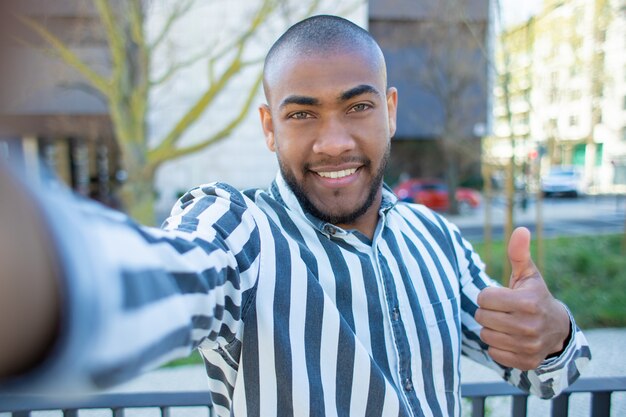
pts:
pixel 367 222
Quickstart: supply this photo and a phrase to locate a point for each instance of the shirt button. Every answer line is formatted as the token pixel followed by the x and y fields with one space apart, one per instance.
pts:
pixel 408 384
pixel 395 314
pixel 330 229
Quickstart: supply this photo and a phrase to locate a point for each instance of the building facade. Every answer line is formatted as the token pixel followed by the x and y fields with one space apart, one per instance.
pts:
pixel 54 120
pixel 564 73
pixel 438 57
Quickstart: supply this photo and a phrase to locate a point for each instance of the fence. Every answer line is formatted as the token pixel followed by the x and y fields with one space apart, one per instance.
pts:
pixel 601 390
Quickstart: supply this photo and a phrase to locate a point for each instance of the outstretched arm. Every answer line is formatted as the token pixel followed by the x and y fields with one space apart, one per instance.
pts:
pixel 29 296
pixel 128 298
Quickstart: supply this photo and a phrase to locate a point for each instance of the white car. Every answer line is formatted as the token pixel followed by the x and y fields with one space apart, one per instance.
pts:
pixel 563 181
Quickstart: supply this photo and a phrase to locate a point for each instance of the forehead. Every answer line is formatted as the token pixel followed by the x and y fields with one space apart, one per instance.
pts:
pixel 322 74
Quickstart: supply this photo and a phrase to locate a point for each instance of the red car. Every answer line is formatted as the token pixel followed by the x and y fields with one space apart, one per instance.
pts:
pixel 434 194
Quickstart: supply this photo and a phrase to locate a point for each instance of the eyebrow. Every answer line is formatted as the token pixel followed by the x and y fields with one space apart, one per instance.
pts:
pixel 344 96
pixel 357 91
pixel 301 100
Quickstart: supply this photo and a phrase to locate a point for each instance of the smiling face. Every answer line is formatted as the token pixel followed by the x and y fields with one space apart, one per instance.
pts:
pixel 330 120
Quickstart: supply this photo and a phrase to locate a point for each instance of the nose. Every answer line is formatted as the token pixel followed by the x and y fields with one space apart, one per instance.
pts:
pixel 334 138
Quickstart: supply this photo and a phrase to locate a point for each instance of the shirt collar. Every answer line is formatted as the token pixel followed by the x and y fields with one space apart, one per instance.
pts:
pixel 282 193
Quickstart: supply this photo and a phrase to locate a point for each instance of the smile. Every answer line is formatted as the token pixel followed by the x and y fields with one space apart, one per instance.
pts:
pixel 337 174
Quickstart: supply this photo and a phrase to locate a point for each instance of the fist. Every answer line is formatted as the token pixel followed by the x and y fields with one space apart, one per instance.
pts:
pixel 522 324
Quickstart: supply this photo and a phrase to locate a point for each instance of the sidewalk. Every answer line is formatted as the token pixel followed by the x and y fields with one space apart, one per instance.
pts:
pixel 607 350
pixel 607 347
pixel 551 209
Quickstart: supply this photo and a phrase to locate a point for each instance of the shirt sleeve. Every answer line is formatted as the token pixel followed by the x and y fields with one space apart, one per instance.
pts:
pixel 553 375
pixel 137 297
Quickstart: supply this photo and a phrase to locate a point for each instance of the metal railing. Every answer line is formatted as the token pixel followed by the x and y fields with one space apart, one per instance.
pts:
pixel 601 390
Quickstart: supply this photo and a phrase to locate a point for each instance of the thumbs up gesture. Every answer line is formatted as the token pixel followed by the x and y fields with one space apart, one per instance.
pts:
pixel 522 324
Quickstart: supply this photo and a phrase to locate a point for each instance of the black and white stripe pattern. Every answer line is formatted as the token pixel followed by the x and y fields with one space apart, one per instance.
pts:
pixel 293 317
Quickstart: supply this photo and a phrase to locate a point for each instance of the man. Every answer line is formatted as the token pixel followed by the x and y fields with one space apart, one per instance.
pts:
pixel 321 296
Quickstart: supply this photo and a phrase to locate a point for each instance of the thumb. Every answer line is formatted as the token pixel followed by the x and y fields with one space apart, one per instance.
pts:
pixel 519 255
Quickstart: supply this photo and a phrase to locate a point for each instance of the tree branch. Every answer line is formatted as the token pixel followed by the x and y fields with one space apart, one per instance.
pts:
pixel 62 51
pixel 261 14
pixel 114 34
pixel 198 108
pixel 182 7
pixel 86 88
pixel 139 94
pixel 157 157
pixel 137 23
pixel 177 66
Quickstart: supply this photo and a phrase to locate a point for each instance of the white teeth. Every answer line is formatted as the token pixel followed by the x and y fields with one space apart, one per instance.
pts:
pixel 337 174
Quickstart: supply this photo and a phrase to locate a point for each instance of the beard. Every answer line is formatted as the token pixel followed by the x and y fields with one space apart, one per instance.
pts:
pixel 322 213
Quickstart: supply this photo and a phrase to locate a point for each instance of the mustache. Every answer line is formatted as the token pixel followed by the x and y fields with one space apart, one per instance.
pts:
pixel 337 161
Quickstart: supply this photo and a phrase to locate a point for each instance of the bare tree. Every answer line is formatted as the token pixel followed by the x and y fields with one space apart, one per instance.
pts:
pixel 135 74
pixel 455 75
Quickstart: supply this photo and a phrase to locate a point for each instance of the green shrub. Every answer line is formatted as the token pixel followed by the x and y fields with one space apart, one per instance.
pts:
pixel 588 273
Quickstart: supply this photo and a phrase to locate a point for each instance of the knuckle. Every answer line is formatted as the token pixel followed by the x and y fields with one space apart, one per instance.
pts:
pixel 480 300
pixel 534 347
pixel 527 331
pixel 484 335
pixel 478 315
pixel 487 336
pixel 528 364
pixel 529 305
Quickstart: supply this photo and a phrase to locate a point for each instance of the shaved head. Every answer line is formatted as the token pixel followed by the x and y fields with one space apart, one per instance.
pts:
pixel 323 34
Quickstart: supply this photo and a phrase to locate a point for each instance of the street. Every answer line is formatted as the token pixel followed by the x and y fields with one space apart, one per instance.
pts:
pixel 561 217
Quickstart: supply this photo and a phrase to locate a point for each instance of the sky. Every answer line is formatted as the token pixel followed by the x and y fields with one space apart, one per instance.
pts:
pixel 517 11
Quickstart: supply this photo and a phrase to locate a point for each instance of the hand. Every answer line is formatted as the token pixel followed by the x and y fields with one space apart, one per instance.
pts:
pixel 524 323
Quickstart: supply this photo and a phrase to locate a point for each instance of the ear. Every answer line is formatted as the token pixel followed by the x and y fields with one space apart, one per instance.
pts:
pixel 268 126
pixel 392 106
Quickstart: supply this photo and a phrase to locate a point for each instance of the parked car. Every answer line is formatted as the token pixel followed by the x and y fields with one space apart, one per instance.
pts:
pixel 433 193
pixel 563 181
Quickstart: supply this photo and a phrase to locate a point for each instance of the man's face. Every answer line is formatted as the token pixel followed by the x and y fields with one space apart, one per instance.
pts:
pixel 330 120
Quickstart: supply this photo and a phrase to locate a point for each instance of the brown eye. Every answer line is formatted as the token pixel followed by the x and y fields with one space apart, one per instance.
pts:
pixel 359 108
pixel 299 115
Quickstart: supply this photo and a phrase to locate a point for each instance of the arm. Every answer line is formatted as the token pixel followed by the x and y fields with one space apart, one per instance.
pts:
pixel 522 332
pixel 132 297
pixel 29 299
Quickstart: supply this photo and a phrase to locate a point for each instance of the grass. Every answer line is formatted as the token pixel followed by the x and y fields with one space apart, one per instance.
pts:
pixel 193 359
pixel 588 273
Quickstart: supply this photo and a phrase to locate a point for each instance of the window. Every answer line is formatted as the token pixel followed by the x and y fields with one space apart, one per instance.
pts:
pixel 554 95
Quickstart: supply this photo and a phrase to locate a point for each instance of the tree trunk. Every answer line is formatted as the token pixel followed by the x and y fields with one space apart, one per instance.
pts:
pixel 137 193
pixel 138 197
pixel 509 220
pixel 487 228
pixel 624 237
pixel 452 178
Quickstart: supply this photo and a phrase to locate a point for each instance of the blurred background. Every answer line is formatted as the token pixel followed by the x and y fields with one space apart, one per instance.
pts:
pixel 133 102
pixel 510 113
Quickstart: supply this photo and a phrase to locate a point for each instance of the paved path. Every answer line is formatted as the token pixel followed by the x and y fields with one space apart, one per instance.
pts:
pixel 588 215
pixel 607 347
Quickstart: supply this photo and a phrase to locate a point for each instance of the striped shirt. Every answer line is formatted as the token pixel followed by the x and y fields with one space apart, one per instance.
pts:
pixel 293 316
